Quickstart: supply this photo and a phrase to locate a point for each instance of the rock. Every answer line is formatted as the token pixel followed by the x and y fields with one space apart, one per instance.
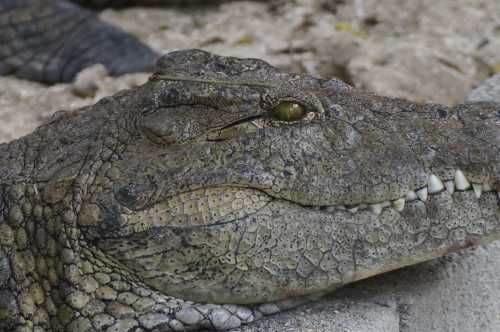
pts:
pixel 489 90
pixel 350 311
pixel 86 82
pixel 417 68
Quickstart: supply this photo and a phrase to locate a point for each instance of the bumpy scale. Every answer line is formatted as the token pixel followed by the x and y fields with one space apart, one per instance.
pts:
pixel 190 202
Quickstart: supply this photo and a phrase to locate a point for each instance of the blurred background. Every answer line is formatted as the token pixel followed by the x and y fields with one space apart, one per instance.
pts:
pixel 425 50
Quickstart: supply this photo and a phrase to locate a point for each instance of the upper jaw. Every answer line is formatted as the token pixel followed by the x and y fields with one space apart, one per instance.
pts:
pixel 434 186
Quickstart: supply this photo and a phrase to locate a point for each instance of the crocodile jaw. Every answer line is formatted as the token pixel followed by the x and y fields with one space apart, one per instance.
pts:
pixel 281 249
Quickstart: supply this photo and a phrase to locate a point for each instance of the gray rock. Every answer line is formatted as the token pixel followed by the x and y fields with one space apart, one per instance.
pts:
pixel 417 68
pixel 489 90
pixel 346 311
pixel 85 84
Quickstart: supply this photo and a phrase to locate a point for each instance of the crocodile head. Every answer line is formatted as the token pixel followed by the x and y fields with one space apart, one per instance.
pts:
pixel 223 180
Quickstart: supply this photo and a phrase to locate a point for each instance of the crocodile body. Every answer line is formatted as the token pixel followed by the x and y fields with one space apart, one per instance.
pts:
pixel 53 40
pixel 223 190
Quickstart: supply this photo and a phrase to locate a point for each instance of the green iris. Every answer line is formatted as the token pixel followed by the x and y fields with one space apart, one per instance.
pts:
pixel 288 111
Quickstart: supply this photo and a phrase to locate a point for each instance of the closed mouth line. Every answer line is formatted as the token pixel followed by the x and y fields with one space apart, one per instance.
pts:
pixel 434 186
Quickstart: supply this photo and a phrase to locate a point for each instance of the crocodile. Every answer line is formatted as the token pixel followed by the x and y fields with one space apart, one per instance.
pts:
pixel 51 41
pixel 224 190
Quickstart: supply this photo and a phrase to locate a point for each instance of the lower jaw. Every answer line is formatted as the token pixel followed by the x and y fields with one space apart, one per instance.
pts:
pixel 285 250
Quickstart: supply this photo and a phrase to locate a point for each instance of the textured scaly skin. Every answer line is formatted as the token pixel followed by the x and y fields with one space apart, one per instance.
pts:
pixel 184 204
pixel 51 41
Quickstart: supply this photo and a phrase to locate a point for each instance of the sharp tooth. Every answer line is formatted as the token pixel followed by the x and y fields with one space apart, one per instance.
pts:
pixel 411 196
pixel 487 187
pixel 341 207
pixel 461 181
pixel 478 189
pixel 450 186
pixel 435 185
pixel 376 208
pixel 399 204
pixel 353 209
pixel 422 194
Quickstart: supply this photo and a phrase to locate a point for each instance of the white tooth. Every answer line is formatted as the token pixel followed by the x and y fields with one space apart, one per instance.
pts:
pixel 341 207
pixel 487 187
pixel 353 209
pixel 362 206
pixel 385 204
pixel 434 185
pixel 422 194
pixel 399 204
pixel 478 189
pixel 332 208
pixel 376 208
pixel 461 181
pixel 450 186
pixel 411 196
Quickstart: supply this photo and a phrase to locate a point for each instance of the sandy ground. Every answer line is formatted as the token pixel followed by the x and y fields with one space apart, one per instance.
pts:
pixel 422 50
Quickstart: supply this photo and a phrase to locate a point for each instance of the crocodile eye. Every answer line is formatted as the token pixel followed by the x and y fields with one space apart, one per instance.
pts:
pixel 288 111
